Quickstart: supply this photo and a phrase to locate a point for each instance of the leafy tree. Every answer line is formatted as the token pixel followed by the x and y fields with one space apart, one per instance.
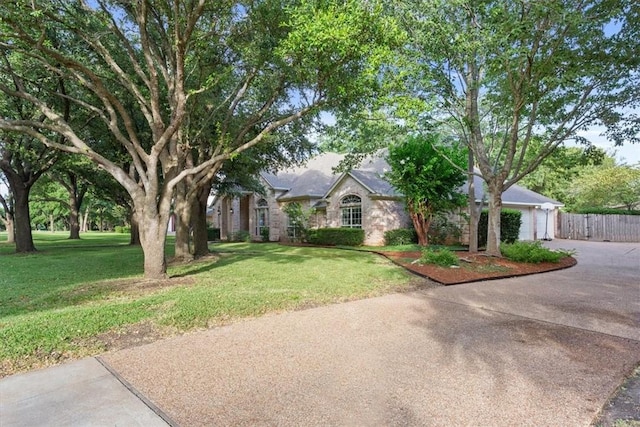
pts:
pixel 606 186
pixel 554 175
pixel 429 174
pixel 504 72
pixel 500 75
pixel 136 68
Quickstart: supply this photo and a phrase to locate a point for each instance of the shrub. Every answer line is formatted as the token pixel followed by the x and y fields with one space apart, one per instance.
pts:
pixel 337 236
pixel 532 252
pixel 264 234
pixel 442 257
pixel 400 236
pixel 213 234
pixel 123 229
pixel 241 236
pixel 442 231
pixel 510 221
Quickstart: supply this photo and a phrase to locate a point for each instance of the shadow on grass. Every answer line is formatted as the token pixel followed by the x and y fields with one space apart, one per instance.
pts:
pixel 65 276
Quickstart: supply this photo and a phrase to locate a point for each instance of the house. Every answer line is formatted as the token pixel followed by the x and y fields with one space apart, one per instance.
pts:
pixel 360 198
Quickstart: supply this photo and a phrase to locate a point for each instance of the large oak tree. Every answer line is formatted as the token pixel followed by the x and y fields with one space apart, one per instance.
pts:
pixel 136 66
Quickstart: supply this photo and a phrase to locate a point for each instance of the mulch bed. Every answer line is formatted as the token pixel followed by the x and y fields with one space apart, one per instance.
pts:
pixel 474 267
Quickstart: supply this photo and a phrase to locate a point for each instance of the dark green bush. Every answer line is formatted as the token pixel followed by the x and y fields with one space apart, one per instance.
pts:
pixel 213 234
pixel 264 234
pixel 400 236
pixel 510 221
pixel 241 236
pixel 442 257
pixel 607 211
pixel 531 252
pixel 123 229
pixel 336 236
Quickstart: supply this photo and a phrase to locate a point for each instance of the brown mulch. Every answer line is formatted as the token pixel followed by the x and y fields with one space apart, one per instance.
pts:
pixel 474 267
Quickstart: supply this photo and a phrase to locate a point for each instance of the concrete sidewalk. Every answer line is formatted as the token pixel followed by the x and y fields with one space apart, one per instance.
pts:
pixel 81 393
pixel 538 350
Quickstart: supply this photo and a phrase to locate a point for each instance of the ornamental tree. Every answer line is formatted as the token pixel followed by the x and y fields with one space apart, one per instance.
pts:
pixel 429 173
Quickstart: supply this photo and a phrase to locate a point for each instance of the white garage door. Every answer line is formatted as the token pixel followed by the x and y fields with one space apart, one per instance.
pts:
pixel 526 226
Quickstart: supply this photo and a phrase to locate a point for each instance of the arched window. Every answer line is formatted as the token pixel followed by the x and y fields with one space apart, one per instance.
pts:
pixel 262 216
pixel 351 211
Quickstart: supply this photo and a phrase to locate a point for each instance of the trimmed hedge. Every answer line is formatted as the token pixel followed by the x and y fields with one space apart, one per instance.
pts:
pixel 510 222
pixel 606 211
pixel 337 236
pixel 213 234
pixel 400 236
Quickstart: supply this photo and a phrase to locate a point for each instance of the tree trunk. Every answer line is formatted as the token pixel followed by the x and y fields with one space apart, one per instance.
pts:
pixel 22 220
pixel 74 218
pixel 474 211
pixel 182 211
pixel 199 225
pixel 421 225
pixel 153 233
pixel 11 232
pixel 135 231
pixel 493 233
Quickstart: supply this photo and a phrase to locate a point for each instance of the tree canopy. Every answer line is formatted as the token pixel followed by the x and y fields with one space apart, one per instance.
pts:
pixel 429 173
pixel 164 78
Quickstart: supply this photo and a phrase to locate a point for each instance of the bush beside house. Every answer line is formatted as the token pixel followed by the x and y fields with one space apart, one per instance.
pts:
pixel 336 236
pixel 510 222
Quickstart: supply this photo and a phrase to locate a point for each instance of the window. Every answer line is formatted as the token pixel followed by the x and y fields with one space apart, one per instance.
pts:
pixel 351 211
pixel 262 216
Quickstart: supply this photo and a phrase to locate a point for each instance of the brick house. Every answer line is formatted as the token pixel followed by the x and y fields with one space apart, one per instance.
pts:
pixel 360 198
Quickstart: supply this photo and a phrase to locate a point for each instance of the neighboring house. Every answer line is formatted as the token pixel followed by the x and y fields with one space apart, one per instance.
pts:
pixel 360 198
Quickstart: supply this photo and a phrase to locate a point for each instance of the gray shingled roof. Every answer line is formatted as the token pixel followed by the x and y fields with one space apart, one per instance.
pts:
pixel 375 183
pixel 316 178
pixel 515 195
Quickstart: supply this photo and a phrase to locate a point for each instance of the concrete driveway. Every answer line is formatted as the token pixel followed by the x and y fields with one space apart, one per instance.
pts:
pixel 539 350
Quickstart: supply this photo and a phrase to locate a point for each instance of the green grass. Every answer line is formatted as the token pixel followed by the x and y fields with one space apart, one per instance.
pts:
pixel 61 299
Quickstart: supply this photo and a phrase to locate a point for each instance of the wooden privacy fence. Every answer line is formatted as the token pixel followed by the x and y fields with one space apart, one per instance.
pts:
pixel 613 228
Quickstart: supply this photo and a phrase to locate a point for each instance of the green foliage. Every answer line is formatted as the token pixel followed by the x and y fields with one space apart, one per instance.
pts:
pixel 429 173
pixel 510 219
pixel 241 236
pixel 122 229
pixel 298 221
pixel 556 172
pixel 442 231
pixel 442 257
pixel 532 252
pixel 606 211
pixel 264 234
pixel 213 234
pixel 400 236
pixel 337 236
pixel 605 186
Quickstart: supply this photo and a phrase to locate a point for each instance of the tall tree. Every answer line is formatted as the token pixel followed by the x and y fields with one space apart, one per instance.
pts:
pixel 140 59
pixel 429 174
pixel 507 71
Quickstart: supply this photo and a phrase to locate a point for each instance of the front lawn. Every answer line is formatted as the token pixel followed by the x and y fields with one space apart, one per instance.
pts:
pixel 80 298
